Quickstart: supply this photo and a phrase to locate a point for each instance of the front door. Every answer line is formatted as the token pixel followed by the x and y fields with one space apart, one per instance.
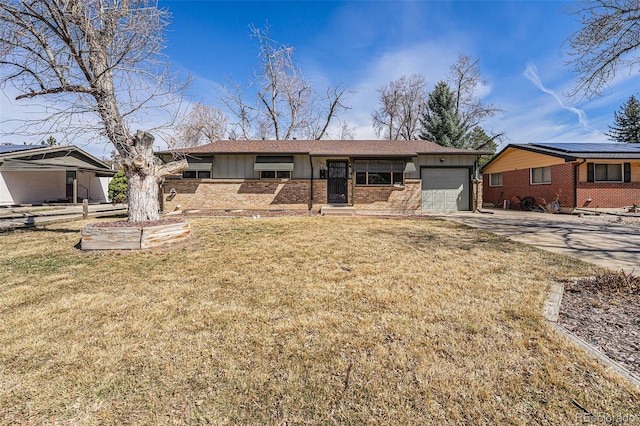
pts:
pixel 70 193
pixel 337 182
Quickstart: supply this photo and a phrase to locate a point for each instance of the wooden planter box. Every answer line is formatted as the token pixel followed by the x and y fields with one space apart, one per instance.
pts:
pixel 96 237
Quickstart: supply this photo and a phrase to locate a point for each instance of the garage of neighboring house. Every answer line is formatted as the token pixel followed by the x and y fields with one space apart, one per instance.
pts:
pixel 446 189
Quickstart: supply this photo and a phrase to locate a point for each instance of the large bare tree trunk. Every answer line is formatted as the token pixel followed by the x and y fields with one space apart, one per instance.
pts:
pixel 143 198
pixel 143 178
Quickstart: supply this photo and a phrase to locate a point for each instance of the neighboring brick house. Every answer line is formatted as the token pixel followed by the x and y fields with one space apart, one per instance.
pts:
pixel 381 175
pixel 577 175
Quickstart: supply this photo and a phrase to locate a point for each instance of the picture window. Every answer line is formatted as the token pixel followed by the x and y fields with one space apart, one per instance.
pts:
pixel 541 175
pixel 379 172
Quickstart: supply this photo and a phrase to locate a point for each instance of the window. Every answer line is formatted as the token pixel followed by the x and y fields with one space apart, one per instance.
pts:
pixel 541 175
pixel 196 174
pixel 274 167
pixel 608 172
pixel 275 174
pixel 495 179
pixel 379 172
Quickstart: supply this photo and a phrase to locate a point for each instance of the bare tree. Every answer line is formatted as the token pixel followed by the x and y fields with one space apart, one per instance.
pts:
pixel 401 104
pixel 606 42
pixel 202 124
pixel 98 57
pixel 286 105
pixel 464 79
pixel 347 131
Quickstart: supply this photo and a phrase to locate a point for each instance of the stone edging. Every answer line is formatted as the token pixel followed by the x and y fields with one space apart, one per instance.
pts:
pixel 551 312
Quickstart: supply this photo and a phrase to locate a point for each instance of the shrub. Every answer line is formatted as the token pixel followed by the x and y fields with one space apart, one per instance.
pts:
pixel 118 188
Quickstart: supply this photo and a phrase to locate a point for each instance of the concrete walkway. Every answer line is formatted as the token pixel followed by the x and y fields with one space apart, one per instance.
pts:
pixel 597 239
pixel 24 217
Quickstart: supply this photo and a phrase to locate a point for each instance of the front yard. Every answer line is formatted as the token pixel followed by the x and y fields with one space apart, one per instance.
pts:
pixel 293 320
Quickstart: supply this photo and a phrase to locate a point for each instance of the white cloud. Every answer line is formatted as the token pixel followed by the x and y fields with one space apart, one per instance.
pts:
pixel 531 73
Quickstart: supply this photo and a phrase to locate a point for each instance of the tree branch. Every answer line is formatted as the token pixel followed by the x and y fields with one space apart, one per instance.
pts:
pixel 56 90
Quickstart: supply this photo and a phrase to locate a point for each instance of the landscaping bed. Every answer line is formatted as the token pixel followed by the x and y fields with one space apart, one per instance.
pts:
pixel 125 235
pixel 604 311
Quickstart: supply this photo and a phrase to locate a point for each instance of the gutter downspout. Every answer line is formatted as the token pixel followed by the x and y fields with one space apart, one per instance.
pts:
pixel 353 181
pixel 161 190
pixel 75 188
pixel 575 183
pixel 311 192
pixel 476 182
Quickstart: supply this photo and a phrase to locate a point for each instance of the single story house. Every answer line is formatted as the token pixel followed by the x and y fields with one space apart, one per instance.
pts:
pixel 37 174
pixel 576 175
pixel 381 175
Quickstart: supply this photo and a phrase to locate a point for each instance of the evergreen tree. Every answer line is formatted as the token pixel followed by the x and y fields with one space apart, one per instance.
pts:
pixel 627 122
pixel 441 122
pixel 478 139
pixel 50 141
pixel 118 191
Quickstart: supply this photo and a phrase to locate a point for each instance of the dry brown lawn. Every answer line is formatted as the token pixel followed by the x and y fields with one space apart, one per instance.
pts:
pixel 305 320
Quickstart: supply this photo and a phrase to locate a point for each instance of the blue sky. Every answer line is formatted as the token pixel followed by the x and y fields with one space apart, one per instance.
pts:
pixel 363 45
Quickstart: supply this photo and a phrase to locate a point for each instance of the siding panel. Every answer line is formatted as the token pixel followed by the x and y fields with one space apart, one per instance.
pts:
pixel 518 159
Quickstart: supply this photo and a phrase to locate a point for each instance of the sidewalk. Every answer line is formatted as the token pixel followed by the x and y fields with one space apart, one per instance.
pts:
pixel 25 217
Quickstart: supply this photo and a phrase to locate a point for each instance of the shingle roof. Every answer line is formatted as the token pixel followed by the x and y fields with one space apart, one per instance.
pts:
pixel 326 148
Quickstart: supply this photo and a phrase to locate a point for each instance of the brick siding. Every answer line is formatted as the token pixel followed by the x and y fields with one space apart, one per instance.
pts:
pixel 608 195
pixel 407 198
pixel 516 184
pixel 240 194
pixel 286 194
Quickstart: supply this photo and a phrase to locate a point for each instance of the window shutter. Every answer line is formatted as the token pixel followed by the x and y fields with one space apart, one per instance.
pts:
pixel 627 172
pixel 589 172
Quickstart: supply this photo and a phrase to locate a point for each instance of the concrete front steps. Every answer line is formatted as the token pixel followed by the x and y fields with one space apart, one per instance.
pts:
pixel 337 210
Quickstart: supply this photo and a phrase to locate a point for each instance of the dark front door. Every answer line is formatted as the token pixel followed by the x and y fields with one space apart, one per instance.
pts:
pixel 71 177
pixel 337 182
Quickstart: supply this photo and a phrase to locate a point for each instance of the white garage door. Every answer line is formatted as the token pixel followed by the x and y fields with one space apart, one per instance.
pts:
pixel 445 189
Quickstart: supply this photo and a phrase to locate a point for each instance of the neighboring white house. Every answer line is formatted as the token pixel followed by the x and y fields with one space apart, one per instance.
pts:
pixel 36 174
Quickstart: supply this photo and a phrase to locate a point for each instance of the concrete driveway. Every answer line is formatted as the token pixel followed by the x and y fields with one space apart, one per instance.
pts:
pixel 597 239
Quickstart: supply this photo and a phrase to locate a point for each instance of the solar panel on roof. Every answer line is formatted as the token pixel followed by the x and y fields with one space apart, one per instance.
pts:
pixel 569 147
pixel 14 148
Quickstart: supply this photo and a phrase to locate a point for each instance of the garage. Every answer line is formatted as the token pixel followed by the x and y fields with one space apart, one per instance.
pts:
pixel 446 189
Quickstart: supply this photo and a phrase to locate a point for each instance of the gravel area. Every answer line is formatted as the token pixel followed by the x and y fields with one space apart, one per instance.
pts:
pixel 605 312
